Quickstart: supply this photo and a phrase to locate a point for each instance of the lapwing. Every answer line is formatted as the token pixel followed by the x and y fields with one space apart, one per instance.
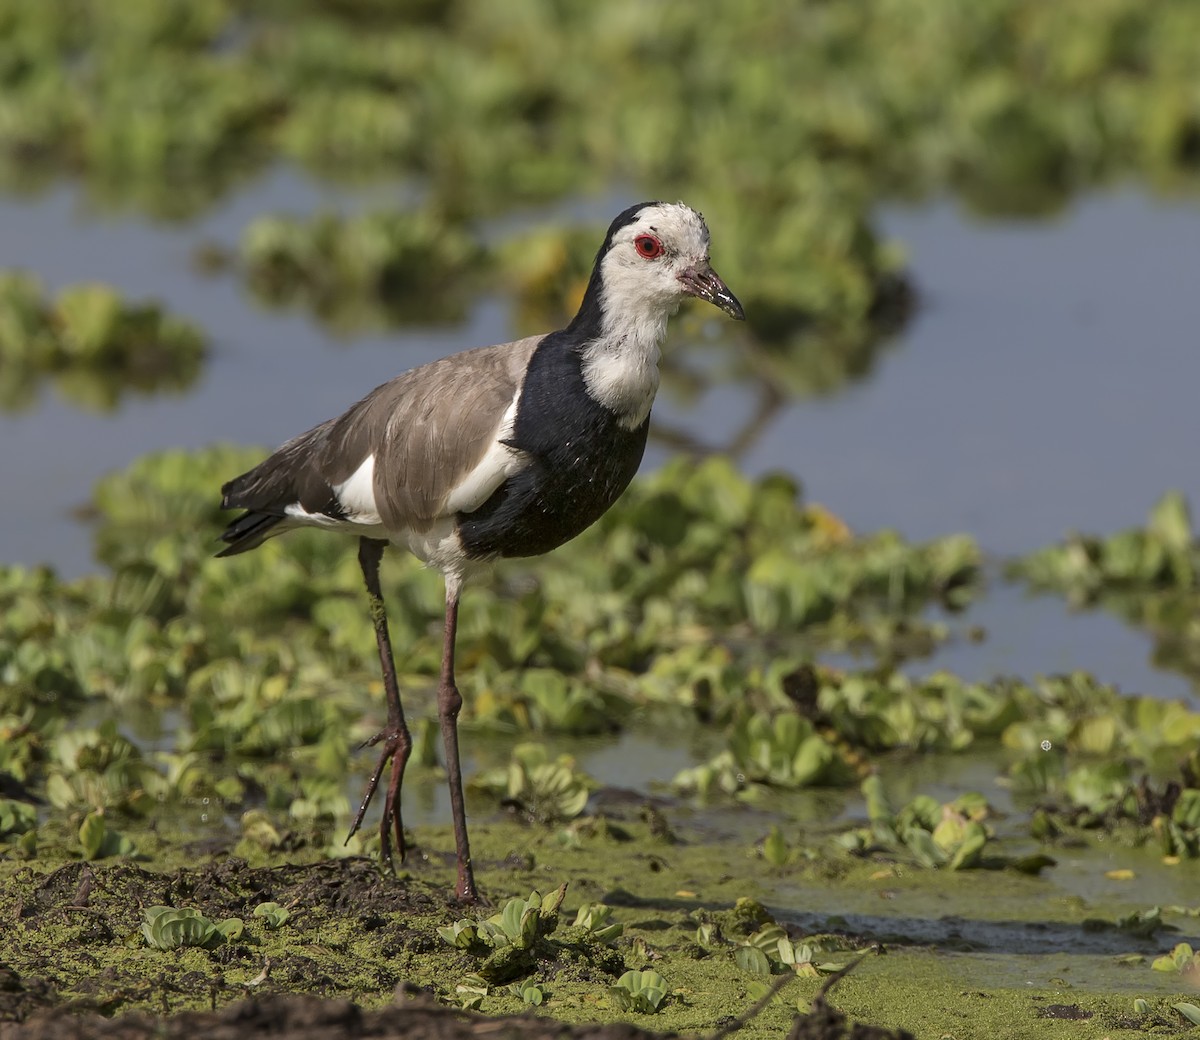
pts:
pixel 506 450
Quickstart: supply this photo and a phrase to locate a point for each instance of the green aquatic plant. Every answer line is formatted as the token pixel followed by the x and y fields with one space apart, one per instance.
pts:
pixel 951 836
pixel 95 345
pixel 530 993
pixel 640 991
pixel 1011 105
pixel 1114 795
pixel 399 265
pixel 771 951
pixel 1162 555
pixel 513 936
pixel 784 751
pixel 1189 1011
pixel 595 919
pixel 16 818
pixel 1182 959
pixel 99 841
pixel 519 924
pixel 545 789
pixel 1150 576
pixel 273 915
pixel 167 928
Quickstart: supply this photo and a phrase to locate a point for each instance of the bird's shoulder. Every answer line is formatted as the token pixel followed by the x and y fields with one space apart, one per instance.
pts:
pixel 431 428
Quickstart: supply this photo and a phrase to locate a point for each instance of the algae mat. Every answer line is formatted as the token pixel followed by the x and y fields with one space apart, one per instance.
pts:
pixel 355 942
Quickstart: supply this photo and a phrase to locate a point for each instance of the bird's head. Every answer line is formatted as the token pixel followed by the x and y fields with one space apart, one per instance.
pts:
pixel 654 256
pixel 658 252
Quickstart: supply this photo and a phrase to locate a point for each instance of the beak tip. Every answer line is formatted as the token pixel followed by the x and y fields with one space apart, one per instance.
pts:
pixel 706 284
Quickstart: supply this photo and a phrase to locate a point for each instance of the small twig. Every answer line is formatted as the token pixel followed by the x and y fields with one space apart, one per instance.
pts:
pixel 262 976
pixel 756 1008
pixel 778 984
pixel 84 892
pixel 840 974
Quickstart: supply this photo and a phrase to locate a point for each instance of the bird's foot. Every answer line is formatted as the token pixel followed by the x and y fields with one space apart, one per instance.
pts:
pixel 397 745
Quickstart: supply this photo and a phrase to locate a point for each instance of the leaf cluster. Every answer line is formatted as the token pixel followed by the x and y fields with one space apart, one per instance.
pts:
pixel 91 342
pixel 934 835
pixel 544 789
pixel 167 928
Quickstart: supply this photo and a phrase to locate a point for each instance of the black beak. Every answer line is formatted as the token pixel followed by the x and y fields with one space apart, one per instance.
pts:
pixel 704 283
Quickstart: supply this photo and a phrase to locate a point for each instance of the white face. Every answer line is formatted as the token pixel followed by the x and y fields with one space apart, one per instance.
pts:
pixel 651 263
pixel 644 263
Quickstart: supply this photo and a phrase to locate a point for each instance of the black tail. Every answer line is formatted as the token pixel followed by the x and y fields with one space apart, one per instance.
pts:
pixel 285 478
pixel 248 531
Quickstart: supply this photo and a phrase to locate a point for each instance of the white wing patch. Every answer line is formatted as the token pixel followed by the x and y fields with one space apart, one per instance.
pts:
pixel 498 464
pixel 357 494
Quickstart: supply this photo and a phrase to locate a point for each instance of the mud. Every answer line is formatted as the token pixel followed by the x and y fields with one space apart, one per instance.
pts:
pixel 414 1016
pixel 80 917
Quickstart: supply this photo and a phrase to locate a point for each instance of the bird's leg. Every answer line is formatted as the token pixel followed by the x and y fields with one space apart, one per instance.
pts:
pixel 449 703
pixel 395 738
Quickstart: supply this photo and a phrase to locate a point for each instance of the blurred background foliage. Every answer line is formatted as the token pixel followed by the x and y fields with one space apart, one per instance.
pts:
pixel 703 595
pixel 93 344
pixel 812 113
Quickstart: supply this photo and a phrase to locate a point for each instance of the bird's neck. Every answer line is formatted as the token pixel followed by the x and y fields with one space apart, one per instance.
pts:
pixel 620 360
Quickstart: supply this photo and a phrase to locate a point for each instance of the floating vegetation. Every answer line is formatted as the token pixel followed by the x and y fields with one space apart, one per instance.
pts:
pixel 356 272
pixel 996 101
pixel 702 595
pixel 1011 104
pixel 513 941
pixel 542 788
pixel 1117 796
pixel 91 343
pixel 954 835
pixel 176 712
pixel 639 991
pixel 1150 576
pixel 771 951
pixel 167 928
pixel 1164 556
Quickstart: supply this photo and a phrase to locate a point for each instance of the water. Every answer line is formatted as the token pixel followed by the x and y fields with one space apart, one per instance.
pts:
pixel 1047 382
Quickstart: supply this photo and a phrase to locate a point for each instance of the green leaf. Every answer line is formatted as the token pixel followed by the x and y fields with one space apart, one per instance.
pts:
pixel 1189 1011
pixel 752 959
pixel 274 914
pixel 642 991
pixel 921 844
pixel 775 848
pixel 229 929
pixel 92 833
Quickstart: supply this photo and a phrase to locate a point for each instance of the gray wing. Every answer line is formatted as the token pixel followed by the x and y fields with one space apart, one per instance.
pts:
pixel 428 430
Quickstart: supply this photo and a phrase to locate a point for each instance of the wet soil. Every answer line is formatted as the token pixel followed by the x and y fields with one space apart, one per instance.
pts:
pixel 83 966
pixel 417 1017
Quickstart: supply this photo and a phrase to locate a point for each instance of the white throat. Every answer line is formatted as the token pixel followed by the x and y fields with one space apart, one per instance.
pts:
pixel 620 367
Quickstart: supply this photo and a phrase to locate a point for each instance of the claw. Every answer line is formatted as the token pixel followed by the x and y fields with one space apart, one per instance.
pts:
pixel 397 746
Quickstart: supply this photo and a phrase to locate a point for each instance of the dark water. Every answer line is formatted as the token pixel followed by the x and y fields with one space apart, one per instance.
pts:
pixel 1048 381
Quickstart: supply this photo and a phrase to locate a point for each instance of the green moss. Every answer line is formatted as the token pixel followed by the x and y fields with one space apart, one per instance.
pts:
pixel 354 933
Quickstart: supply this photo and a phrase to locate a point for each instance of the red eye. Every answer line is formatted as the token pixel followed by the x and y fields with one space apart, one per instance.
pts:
pixel 648 246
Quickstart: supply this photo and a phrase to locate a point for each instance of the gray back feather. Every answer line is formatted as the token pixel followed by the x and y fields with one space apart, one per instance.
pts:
pixel 427 428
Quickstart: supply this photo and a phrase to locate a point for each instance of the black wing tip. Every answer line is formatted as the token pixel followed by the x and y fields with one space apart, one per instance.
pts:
pixel 247 532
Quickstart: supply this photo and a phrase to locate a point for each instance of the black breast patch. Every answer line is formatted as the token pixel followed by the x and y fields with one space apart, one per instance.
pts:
pixel 581 460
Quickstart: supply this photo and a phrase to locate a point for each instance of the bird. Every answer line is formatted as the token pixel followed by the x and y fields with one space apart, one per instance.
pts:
pixel 507 450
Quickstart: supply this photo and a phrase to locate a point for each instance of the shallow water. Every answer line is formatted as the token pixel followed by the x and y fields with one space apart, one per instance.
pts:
pixel 1046 382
